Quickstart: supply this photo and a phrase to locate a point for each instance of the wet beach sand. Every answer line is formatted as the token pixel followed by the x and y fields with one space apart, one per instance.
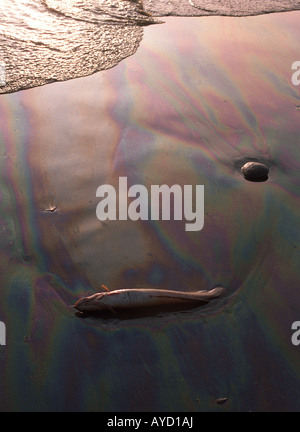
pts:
pixel 199 98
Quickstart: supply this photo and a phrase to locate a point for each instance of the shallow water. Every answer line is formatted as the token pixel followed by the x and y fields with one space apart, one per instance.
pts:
pixel 44 41
pixel 187 111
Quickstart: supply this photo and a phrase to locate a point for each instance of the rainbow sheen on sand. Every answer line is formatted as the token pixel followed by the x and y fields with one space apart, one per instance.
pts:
pixel 188 110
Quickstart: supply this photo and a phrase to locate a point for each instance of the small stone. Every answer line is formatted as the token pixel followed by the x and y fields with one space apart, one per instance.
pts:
pixel 255 171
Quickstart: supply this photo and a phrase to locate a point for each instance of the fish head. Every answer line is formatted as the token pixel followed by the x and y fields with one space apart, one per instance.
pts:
pixel 88 304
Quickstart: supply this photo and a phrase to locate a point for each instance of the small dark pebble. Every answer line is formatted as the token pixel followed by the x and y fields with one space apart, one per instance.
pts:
pixel 255 171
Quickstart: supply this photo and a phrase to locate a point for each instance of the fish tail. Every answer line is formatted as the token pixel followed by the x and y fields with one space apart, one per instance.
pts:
pixel 216 292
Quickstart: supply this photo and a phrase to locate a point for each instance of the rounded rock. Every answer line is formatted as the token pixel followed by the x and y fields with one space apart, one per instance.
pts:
pixel 255 171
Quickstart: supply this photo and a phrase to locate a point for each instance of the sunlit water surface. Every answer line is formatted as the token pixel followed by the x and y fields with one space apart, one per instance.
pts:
pixel 45 41
pixel 199 97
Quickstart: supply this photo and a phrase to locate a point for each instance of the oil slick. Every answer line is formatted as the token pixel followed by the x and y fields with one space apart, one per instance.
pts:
pixel 141 298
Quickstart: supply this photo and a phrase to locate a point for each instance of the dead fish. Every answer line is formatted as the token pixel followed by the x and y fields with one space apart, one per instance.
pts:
pixel 137 298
